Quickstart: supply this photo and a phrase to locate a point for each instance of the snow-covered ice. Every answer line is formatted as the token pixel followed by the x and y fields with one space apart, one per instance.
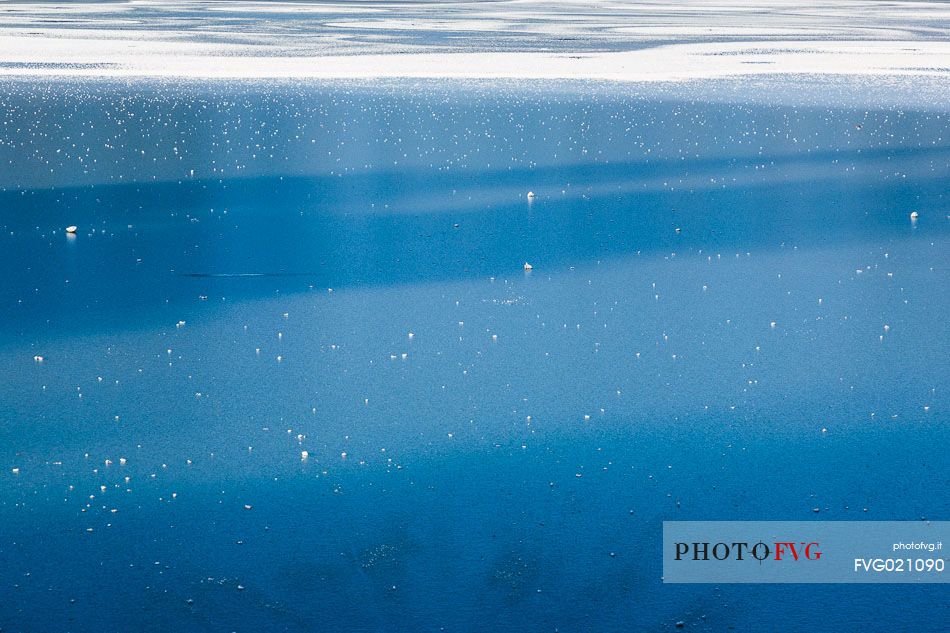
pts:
pixel 516 39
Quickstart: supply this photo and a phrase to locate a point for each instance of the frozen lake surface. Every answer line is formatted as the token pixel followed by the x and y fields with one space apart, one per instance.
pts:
pixel 514 39
pixel 291 373
pixel 730 313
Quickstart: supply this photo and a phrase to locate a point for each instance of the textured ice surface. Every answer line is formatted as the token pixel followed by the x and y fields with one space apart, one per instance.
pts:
pixel 522 39
pixel 713 283
pixel 290 373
